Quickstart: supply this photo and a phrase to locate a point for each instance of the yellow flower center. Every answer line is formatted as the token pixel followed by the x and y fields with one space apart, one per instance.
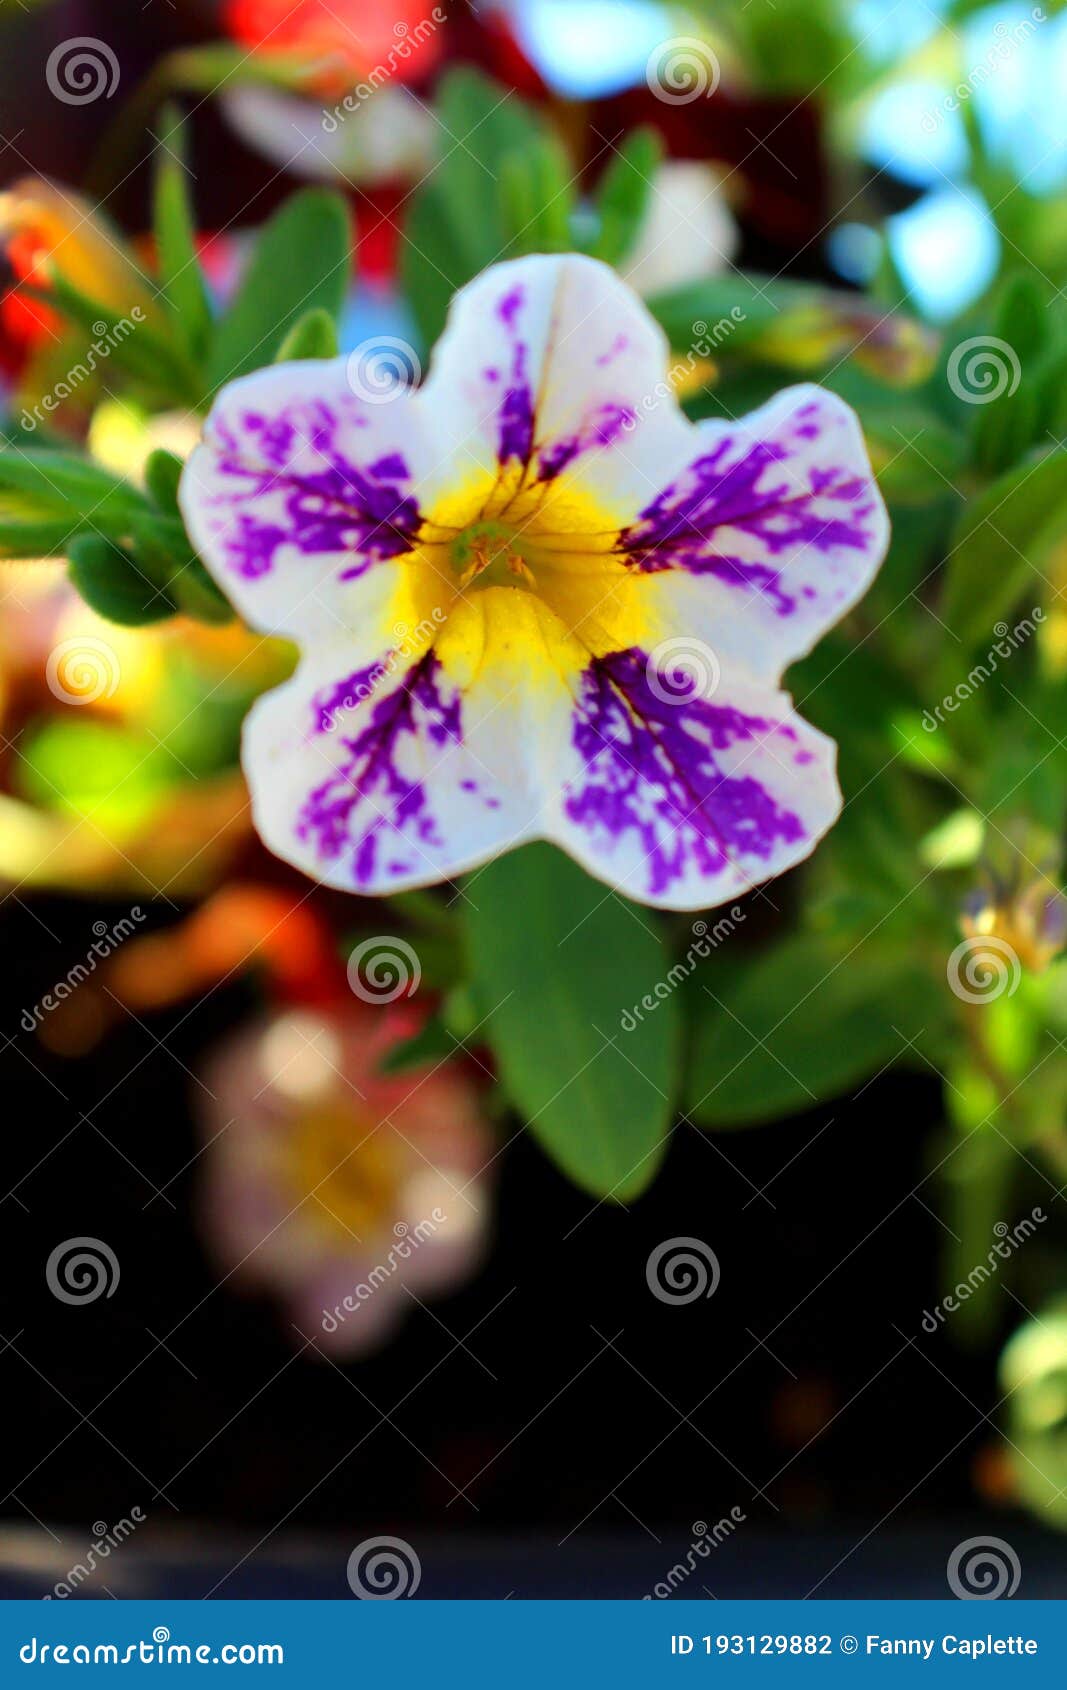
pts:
pixel 507 575
pixel 355 1185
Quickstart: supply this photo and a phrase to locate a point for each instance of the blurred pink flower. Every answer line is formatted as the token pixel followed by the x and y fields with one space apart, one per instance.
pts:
pixel 345 1192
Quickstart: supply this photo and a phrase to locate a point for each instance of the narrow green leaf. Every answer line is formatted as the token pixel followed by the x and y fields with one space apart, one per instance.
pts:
pixel 624 194
pixel 63 482
pixel 162 474
pixel 30 538
pixel 302 260
pixel 557 989
pixel 313 336
pixel 1001 543
pixel 174 223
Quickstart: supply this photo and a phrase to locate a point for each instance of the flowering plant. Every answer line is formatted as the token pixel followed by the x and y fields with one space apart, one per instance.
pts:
pixel 674 685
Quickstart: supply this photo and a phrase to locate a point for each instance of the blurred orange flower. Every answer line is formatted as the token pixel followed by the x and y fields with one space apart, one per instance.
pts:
pixel 45 227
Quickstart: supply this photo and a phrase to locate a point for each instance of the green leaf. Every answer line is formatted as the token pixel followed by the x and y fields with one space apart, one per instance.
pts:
pixel 313 336
pixel 744 306
pixel 456 222
pixel 131 343
pixel 164 552
pixel 62 482
pixel 114 585
pixel 29 537
pixel 174 224
pixel 302 260
pixel 558 962
pixel 624 193
pixel 800 1024
pixel 536 198
pixel 162 475
pixel 1002 541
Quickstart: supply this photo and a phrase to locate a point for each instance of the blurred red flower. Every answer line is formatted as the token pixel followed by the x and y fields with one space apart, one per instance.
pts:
pixel 354 37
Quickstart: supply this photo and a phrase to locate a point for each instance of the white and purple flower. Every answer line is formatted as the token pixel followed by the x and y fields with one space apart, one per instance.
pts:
pixel 489 578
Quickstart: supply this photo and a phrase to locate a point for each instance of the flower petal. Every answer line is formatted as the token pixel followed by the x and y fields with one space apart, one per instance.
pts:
pixel 387 777
pixel 685 801
pixel 767 531
pixel 548 363
pixel 299 489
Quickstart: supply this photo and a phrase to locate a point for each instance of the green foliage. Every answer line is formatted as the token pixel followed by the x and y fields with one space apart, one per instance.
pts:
pixel 1001 544
pixel 495 157
pixel 623 196
pixel 314 335
pixel 554 993
pixel 762 1046
pixel 112 583
pixel 302 261
pixel 184 288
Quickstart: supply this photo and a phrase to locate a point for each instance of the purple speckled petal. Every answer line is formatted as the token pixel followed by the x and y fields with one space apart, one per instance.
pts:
pixel 300 490
pixel 767 533
pixel 686 800
pixel 383 777
pixel 549 363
